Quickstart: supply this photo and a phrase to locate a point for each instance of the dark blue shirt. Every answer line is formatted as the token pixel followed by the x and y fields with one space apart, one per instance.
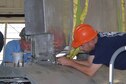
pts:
pixel 108 43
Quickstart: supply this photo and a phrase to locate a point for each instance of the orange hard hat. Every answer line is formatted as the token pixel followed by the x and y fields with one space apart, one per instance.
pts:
pixel 82 34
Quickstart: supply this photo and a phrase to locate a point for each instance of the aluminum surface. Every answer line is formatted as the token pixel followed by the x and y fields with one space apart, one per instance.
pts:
pixel 50 16
pixel 57 74
pixel 43 48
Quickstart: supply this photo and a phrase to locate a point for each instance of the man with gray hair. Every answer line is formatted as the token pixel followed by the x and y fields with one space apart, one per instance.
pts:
pixel 21 45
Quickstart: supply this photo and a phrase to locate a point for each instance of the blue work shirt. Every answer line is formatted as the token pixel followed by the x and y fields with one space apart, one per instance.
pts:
pixel 14 46
pixel 108 43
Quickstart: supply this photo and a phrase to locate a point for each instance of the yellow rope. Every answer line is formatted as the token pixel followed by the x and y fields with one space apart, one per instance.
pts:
pixel 75 3
pixel 84 12
pixel 123 15
pixel 74 51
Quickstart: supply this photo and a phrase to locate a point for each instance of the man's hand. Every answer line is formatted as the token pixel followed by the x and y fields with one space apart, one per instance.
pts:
pixel 65 61
pixel 88 70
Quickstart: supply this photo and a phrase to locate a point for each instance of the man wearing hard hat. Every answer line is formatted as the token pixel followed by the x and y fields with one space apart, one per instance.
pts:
pixel 100 46
pixel 21 45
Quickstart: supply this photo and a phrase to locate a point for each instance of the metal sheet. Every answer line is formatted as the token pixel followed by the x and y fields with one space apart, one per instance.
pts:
pixel 102 15
pixel 50 16
pixel 34 16
pixel 42 48
pixel 59 20
pixel 56 74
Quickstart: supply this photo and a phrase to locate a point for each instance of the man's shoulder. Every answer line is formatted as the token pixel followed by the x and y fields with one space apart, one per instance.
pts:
pixel 13 42
pixel 111 34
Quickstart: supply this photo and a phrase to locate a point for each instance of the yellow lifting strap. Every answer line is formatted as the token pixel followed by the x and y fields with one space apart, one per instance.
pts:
pixel 84 12
pixel 74 51
pixel 123 15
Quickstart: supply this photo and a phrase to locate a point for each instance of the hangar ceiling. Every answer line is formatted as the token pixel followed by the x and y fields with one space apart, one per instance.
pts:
pixel 12 10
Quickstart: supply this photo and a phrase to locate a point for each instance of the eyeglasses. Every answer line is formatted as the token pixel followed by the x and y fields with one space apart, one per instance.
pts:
pixel 28 38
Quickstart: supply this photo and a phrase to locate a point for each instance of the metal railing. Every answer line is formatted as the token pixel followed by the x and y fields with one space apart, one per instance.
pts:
pixel 111 65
